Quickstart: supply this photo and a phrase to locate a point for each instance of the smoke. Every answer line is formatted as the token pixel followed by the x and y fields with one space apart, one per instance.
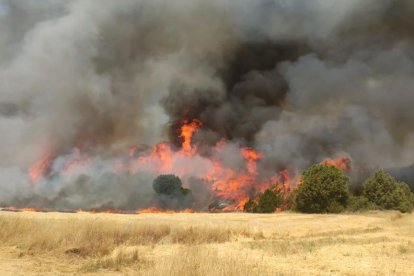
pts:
pixel 298 80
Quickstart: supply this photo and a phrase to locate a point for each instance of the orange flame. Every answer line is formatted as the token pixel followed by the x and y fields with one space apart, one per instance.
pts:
pixel 160 158
pixel 233 185
pixel 154 210
pixel 30 210
pixel 27 209
pixel 286 183
pixel 187 132
pixel 342 162
pixel 38 170
pixel 251 156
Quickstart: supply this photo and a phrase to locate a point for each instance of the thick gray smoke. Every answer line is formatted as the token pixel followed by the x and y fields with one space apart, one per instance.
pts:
pixel 299 80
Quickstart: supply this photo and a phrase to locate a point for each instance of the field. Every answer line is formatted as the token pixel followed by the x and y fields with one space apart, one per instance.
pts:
pixel 379 243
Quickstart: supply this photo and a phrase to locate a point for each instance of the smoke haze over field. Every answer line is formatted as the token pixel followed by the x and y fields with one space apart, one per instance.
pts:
pixel 298 80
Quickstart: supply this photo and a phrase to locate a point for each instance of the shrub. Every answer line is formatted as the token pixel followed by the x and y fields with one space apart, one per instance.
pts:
pixel 289 202
pixel 171 194
pixel 266 202
pixel 360 203
pixel 324 189
pixel 269 201
pixel 250 206
pixel 167 184
pixel 386 192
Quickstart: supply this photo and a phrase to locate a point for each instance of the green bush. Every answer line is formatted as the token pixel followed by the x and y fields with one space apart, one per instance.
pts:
pixel 266 202
pixel 167 184
pixel 171 194
pixel 360 203
pixel 250 206
pixel 269 201
pixel 324 189
pixel 289 202
pixel 386 192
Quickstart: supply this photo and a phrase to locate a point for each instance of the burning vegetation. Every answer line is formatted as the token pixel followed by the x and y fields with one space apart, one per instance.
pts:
pixel 232 186
pixel 322 188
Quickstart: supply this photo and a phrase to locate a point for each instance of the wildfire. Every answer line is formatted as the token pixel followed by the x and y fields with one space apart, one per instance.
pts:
pixel 15 209
pixel 342 162
pixel 286 183
pixel 150 210
pixel 251 156
pixel 30 210
pixel 38 170
pixel 160 158
pixel 187 132
pixel 78 160
pixel 234 186
pixel 154 210
pixel 238 186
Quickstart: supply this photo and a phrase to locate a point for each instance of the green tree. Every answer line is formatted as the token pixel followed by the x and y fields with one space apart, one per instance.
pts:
pixel 266 202
pixel 324 189
pixel 171 194
pixel 167 184
pixel 269 201
pixel 385 191
pixel 250 206
pixel 360 203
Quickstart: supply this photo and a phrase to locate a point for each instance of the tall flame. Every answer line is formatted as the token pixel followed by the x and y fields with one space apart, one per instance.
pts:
pixel 251 156
pixel 187 132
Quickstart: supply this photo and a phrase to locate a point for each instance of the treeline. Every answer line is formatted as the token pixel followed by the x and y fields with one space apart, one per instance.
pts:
pixel 325 189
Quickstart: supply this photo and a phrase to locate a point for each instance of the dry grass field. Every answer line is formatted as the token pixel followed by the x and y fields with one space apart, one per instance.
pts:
pixel 206 244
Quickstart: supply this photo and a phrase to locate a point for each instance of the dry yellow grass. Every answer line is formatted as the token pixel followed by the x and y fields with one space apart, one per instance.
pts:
pixel 206 244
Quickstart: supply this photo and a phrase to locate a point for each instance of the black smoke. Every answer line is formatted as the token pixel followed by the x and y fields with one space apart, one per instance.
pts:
pixel 254 93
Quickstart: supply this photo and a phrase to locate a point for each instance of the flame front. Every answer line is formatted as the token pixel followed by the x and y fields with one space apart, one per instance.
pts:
pixel 236 185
